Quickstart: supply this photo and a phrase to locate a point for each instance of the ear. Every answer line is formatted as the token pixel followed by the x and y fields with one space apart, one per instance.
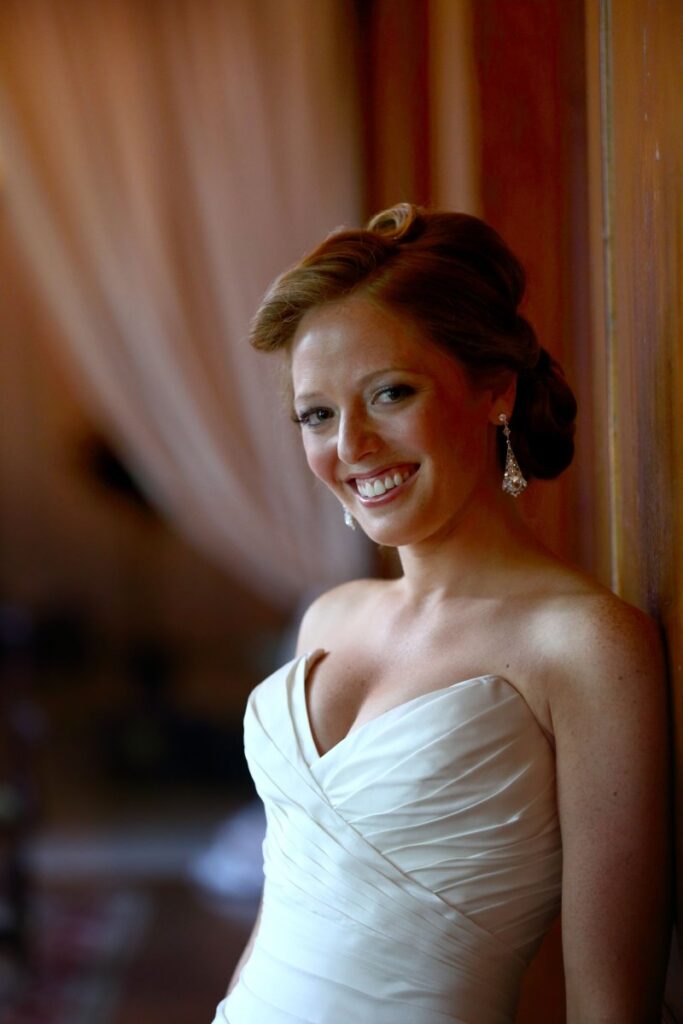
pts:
pixel 503 395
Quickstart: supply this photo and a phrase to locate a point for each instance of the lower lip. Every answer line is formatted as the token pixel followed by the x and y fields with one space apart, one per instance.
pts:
pixel 382 499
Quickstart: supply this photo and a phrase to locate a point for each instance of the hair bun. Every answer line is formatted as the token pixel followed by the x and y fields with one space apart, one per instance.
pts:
pixel 545 365
pixel 400 223
pixel 543 419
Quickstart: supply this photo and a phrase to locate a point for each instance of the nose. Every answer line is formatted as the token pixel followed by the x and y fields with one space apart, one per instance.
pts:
pixel 356 438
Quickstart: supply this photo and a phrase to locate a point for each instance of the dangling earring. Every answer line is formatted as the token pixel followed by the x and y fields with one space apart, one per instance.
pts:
pixel 348 519
pixel 513 481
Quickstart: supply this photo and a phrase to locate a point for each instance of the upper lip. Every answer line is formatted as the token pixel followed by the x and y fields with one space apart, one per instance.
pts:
pixel 392 467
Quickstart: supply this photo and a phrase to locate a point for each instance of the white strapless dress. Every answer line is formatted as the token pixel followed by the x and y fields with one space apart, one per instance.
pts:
pixel 411 871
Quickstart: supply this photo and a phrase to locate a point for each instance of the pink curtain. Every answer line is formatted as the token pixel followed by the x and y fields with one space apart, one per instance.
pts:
pixel 162 162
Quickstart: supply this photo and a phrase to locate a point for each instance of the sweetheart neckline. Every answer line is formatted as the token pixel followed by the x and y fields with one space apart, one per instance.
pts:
pixel 303 659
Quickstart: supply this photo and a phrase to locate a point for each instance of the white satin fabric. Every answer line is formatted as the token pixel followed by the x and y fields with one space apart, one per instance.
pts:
pixel 411 871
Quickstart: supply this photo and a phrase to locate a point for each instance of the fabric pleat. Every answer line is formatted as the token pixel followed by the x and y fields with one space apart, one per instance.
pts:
pixel 411 871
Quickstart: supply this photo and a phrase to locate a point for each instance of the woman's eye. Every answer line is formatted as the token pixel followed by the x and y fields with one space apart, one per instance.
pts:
pixel 395 393
pixel 313 417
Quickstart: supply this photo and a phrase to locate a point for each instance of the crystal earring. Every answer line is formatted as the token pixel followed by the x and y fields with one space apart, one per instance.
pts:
pixel 513 481
pixel 348 519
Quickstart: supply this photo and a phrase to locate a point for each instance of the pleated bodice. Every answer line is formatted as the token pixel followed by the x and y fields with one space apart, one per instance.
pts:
pixel 411 871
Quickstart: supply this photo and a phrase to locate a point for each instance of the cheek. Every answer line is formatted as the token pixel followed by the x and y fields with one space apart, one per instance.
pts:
pixel 459 438
pixel 321 460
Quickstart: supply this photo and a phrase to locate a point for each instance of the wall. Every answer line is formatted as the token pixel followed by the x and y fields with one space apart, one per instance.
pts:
pixel 530 71
pixel 635 83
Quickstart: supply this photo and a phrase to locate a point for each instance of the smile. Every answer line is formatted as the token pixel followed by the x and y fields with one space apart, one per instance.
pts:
pixel 376 486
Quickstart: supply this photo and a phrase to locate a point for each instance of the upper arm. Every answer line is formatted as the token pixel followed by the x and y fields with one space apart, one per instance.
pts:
pixel 609 710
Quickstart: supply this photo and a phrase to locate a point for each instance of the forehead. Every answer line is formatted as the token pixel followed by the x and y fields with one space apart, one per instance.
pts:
pixel 357 336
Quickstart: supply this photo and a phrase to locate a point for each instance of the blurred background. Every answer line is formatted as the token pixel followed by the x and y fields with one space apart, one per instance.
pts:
pixel 160 162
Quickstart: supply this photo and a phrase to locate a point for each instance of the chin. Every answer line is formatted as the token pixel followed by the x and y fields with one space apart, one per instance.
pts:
pixel 414 526
pixel 385 538
pixel 394 534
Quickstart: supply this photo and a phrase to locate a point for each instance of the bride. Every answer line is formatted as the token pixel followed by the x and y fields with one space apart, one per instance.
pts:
pixel 455 753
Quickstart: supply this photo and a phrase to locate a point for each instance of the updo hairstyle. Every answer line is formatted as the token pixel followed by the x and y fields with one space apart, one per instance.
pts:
pixel 460 284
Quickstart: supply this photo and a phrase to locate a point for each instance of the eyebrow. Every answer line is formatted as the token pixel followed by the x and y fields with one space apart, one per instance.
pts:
pixel 309 396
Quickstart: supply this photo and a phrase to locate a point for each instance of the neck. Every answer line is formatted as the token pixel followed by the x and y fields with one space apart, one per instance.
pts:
pixel 477 557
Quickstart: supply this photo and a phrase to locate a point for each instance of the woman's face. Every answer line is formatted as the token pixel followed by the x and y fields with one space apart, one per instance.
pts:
pixel 390 422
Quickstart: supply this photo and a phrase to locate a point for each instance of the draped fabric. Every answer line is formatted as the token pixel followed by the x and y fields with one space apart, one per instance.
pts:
pixel 162 162
pixel 411 870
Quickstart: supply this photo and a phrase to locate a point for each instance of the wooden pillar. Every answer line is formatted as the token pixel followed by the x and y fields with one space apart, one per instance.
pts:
pixel 636 89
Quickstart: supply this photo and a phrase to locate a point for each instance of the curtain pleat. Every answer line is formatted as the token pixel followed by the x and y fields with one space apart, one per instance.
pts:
pixel 163 161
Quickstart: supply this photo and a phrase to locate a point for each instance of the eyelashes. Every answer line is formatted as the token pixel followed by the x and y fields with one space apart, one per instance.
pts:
pixel 394 393
pixel 317 415
pixel 313 417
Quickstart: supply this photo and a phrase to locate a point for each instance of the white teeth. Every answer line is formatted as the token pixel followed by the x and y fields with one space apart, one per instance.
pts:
pixel 379 486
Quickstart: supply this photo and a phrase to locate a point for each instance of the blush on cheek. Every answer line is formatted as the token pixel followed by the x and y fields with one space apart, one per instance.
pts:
pixel 319 465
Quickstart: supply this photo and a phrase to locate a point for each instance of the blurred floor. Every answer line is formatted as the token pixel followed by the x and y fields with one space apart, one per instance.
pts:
pixel 102 844
pixel 169 952
pixel 185 962
pixel 127 794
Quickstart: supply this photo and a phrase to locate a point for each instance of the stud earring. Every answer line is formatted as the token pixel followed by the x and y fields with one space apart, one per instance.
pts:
pixel 348 519
pixel 513 481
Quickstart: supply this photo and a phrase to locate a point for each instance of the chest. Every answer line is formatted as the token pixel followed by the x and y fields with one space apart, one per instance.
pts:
pixel 355 681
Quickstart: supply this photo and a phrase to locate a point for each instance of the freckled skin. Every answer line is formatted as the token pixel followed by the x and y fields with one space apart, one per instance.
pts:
pixel 342 355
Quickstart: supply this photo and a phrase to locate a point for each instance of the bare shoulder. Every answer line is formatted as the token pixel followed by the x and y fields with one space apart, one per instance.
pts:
pixel 592 626
pixel 335 612
pixel 597 646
